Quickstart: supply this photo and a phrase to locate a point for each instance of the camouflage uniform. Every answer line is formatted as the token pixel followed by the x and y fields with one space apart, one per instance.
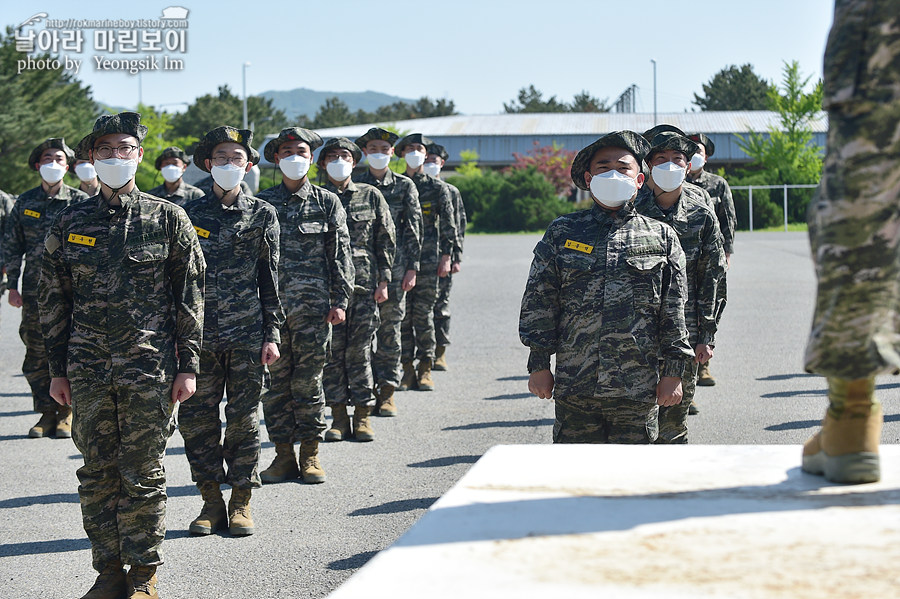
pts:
pixel 181 196
pixel 205 185
pixel 315 274
pixel 403 201
pixel 121 301
pixel 27 226
pixel 442 305
pixel 348 374
pixel 6 207
pixel 240 243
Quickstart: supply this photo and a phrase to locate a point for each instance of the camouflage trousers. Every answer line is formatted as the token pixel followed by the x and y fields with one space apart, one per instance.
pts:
pixel 239 373
pixel 121 430
pixel 673 419
pixel 442 311
pixel 386 357
pixel 36 366
pixel 854 231
pixel 294 407
pixel 348 373
pixel 417 331
pixel 596 420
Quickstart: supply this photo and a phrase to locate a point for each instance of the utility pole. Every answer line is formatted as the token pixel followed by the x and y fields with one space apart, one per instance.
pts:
pixel 246 64
pixel 654 92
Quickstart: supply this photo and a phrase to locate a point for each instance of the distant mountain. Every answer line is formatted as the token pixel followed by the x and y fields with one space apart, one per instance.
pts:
pixel 307 101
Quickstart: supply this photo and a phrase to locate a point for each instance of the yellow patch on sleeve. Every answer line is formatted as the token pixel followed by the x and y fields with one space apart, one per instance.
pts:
pixel 32 213
pixel 202 232
pixel 82 239
pixel 579 247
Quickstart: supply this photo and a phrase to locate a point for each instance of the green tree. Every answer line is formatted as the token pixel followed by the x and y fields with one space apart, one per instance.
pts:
pixel 211 111
pixel 159 137
pixel 333 113
pixel 532 100
pixel 525 201
pixel 585 102
pixel 734 88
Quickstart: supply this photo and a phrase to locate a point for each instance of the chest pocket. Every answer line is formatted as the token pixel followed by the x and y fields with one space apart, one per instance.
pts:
pixel 145 263
pixel 84 264
pixel 646 273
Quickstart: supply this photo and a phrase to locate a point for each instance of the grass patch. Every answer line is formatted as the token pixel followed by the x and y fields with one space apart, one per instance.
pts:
pixel 798 227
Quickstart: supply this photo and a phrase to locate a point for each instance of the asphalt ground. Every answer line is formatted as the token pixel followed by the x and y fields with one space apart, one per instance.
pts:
pixel 310 538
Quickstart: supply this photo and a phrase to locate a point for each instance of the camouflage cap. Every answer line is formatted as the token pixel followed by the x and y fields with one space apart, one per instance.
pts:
pixel 340 142
pixel 221 135
pixel 438 149
pixel 128 123
pixel 58 143
pixel 672 141
pixel 704 139
pixel 649 134
pixel 173 152
pixel 412 138
pixel 292 134
pixel 627 140
pixel 377 133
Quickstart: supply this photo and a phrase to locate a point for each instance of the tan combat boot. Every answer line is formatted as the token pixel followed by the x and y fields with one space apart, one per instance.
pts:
pixel 386 405
pixel 142 583
pixel 440 358
pixel 64 422
pixel 212 514
pixel 310 469
pixel 240 522
pixel 45 426
pixel 362 427
pixel 284 465
pixel 693 409
pixel 110 584
pixel 408 380
pixel 845 450
pixel 423 375
pixel 340 424
pixel 704 376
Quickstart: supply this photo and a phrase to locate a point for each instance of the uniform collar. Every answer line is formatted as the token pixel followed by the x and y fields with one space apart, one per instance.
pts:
pixel 240 204
pixel 351 187
pixel 602 215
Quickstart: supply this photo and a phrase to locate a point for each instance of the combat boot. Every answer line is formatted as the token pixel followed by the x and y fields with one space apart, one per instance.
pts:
pixel 423 375
pixel 704 376
pixel 310 468
pixel 64 422
pixel 240 522
pixel 362 428
pixel 340 424
pixel 212 514
pixel 284 465
pixel 386 405
pixel 45 426
pixel 845 450
pixel 408 380
pixel 110 584
pixel 693 409
pixel 142 582
pixel 440 358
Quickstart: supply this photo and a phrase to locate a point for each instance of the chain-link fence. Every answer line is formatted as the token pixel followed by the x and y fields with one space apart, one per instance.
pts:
pixel 769 205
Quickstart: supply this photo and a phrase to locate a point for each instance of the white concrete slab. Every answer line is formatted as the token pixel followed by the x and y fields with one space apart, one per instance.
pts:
pixel 646 521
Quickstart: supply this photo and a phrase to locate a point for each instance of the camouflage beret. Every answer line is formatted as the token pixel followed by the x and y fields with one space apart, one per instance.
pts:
pixel 627 140
pixel 412 138
pixel 128 123
pixel 704 139
pixel 438 149
pixel 340 142
pixel 173 152
pixel 377 133
pixel 58 143
pixel 649 134
pixel 672 141
pixel 221 135
pixel 292 134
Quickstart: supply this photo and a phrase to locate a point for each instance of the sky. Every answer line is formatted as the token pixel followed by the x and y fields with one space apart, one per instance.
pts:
pixel 476 53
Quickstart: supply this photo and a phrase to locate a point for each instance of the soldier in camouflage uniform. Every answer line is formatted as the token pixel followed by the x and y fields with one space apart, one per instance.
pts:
pixel 664 199
pixel 205 185
pixel 403 201
pixel 121 303
pixel 172 162
pixel 439 242
pixel 239 236
pixel 434 161
pixel 854 230
pixel 348 373
pixel 6 207
pixel 24 237
pixel 316 277
pixel 86 174
pixel 606 294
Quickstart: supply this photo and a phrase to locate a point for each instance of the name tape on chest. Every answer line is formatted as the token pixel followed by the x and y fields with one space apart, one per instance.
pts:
pixel 202 232
pixel 82 239
pixel 32 213
pixel 579 247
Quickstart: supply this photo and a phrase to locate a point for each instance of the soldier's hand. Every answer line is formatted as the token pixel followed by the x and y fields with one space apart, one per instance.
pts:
pixel 381 293
pixel 184 386
pixel 409 280
pixel 61 391
pixel 336 316
pixel 15 300
pixel 702 353
pixel 455 268
pixel 668 391
pixel 444 266
pixel 269 353
pixel 727 261
pixel 540 382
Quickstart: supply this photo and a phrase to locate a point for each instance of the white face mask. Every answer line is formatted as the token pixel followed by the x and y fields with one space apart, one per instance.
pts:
pixel 612 188
pixel 668 176
pixel 339 169
pixel 378 161
pixel 294 167
pixel 697 162
pixel 52 172
pixel 116 172
pixel 414 159
pixel 171 172
pixel 432 168
pixel 85 171
pixel 227 177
